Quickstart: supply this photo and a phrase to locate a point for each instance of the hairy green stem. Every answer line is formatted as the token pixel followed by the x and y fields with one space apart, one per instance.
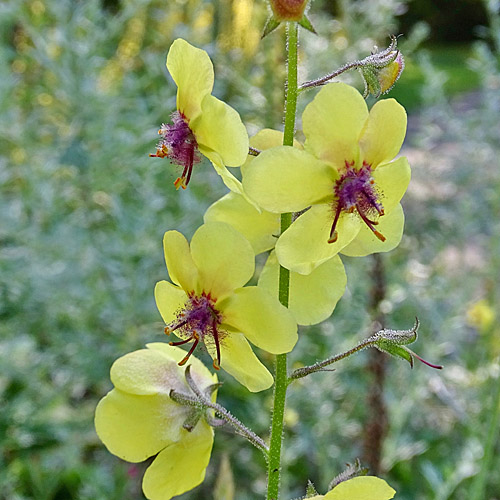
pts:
pixel 281 376
pixel 321 365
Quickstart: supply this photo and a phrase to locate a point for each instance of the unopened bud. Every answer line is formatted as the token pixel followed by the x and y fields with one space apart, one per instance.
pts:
pixel 381 70
pixel 394 342
pixel 288 10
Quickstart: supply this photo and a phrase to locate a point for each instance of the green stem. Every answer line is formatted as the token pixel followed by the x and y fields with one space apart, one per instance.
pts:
pixel 281 380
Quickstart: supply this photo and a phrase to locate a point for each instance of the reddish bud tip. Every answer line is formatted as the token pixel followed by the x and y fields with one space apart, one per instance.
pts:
pixel 288 10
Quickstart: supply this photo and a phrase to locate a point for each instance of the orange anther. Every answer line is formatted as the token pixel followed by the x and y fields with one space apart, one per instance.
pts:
pixel 180 182
pixel 334 237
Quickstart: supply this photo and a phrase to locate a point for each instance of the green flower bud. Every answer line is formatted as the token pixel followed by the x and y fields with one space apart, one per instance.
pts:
pixel 394 342
pixel 381 70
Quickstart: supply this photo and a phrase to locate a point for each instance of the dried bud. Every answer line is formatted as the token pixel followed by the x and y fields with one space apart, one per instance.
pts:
pixel 381 70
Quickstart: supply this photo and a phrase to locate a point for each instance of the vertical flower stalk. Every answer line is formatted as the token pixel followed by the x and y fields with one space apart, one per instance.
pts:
pixel 281 378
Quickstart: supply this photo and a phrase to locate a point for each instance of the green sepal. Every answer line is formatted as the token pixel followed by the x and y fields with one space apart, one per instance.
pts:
pixel 306 23
pixel 372 85
pixel 394 350
pixel 192 419
pixel 311 489
pixel 271 24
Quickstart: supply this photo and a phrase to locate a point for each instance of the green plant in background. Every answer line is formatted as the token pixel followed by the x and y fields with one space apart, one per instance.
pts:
pixel 344 177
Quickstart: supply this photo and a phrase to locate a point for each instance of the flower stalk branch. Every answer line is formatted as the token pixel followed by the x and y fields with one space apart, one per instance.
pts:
pixel 380 71
pixel 202 400
pixel 390 341
pixel 330 76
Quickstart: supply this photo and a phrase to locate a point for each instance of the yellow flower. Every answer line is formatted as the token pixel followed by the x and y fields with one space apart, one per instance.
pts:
pixel 345 174
pixel 480 315
pixel 138 419
pixel 314 296
pixel 359 488
pixel 202 123
pixel 209 304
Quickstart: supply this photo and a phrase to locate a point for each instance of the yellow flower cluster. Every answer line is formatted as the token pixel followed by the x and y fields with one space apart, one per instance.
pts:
pixel 344 188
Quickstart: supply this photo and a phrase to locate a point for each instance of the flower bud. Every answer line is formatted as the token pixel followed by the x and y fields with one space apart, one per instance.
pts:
pixel 394 342
pixel 381 70
pixel 288 10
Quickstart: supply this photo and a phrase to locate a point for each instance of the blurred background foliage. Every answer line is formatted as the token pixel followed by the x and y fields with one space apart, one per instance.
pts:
pixel 83 89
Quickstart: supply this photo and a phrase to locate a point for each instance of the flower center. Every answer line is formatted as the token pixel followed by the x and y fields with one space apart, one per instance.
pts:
pixel 179 145
pixel 355 190
pixel 198 320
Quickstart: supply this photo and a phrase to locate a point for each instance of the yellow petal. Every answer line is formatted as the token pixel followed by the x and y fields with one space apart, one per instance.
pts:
pixel 286 179
pixel 261 318
pixel 304 245
pixel 384 132
pixel 136 427
pixel 155 370
pixel 362 488
pixel 268 138
pixel 224 257
pixel 169 300
pixel 391 181
pixel 199 372
pixel 181 466
pixel 332 123
pixel 181 267
pixel 146 372
pixel 228 178
pixel 365 243
pixel 219 128
pixel 238 359
pixel 312 296
pixel 193 72
pixel 259 228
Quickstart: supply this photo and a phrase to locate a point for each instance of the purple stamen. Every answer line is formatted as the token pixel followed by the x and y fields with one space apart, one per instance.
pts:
pixel 333 232
pixel 178 143
pixel 193 347
pixel 198 320
pixel 216 363
pixel 355 190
